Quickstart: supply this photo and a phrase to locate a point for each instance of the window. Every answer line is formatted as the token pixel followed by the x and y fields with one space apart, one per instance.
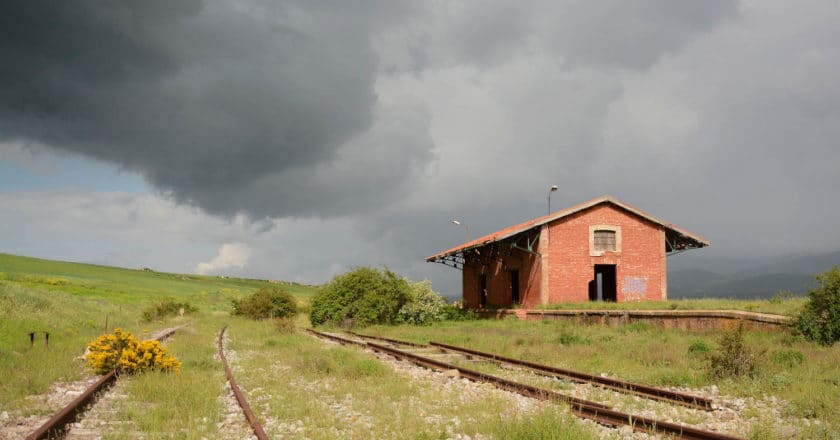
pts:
pixel 604 240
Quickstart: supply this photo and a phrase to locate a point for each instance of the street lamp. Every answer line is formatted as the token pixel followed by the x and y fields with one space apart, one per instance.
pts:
pixel 551 190
pixel 467 227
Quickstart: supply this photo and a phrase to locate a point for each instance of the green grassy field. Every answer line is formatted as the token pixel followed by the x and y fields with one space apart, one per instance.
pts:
pixel 297 383
pixel 73 302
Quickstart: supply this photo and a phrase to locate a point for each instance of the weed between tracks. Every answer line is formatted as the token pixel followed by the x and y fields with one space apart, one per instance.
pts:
pixel 802 373
pixel 306 388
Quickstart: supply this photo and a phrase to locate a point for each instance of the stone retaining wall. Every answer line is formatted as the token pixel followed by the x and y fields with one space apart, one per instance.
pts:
pixel 682 319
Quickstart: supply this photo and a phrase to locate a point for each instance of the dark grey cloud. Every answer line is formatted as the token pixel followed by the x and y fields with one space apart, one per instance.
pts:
pixel 209 102
pixel 388 120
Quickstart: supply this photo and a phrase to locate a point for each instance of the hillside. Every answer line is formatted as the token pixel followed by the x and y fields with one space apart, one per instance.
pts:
pixel 745 278
pixel 75 302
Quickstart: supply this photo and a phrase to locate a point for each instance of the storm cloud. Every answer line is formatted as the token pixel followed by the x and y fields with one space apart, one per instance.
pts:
pixel 362 129
pixel 228 106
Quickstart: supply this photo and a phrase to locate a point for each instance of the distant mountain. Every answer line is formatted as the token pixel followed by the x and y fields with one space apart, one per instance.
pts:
pixel 763 279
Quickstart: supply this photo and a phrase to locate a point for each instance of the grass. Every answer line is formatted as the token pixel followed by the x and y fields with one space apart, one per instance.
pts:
pixel 306 388
pixel 803 373
pixel 72 302
pixel 192 395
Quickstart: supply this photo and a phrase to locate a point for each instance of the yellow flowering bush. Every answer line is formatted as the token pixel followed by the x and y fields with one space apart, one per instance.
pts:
pixel 122 351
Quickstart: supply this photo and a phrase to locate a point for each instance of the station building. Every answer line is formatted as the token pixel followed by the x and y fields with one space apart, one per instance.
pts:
pixel 599 250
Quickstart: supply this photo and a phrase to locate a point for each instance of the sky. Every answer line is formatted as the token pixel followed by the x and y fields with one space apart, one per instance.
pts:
pixel 296 140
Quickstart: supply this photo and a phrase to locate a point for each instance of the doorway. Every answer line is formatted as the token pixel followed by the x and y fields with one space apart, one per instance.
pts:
pixel 514 286
pixel 605 288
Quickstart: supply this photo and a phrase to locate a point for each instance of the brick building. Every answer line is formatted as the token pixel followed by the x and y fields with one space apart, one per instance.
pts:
pixel 601 249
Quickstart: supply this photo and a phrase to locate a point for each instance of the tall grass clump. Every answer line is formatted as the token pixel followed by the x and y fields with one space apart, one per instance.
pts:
pixel 266 303
pixel 820 319
pixel 548 424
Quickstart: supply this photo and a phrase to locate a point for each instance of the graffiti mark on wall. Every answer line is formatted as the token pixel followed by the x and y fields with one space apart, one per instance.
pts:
pixel 634 288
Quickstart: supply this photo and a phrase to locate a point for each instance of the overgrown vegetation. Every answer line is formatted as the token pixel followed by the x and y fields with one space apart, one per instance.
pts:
pixel 820 319
pixel 122 351
pixel 165 308
pixel 424 305
pixel 367 296
pixel 266 303
pixel 734 358
pixel 360 297
pixel 800 373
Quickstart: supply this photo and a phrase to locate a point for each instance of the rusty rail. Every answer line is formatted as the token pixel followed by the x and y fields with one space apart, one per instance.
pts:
pixel 392 341
pixel 57 425
pixel 581 408
pixel 646 391
pixel 243 403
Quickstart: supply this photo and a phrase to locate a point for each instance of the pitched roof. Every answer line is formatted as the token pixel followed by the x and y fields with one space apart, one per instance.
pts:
pixel 681 236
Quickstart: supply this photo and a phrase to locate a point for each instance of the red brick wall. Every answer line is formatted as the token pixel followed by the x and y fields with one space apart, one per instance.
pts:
pixel 640 263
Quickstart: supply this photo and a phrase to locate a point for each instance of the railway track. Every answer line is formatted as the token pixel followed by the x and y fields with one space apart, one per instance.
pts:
pixel 684 399
pixel 240 398
pixel 586 409
pixel 59 423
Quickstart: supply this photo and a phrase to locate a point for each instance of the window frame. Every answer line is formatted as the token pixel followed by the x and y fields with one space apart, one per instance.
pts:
pixel 608 228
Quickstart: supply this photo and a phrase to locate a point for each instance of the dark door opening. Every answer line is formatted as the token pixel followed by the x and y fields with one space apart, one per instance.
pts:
pixel 482 289
pixel 605 288
pixel 514 286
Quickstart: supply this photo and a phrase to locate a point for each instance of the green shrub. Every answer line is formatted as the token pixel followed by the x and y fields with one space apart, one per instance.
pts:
pixel 788 358
pixel 266 303
pixel 698 347
pixel 820 319
pixel 424 305
pixel 734 358
pixel 454 312
pixel 361 297
pixel 166 307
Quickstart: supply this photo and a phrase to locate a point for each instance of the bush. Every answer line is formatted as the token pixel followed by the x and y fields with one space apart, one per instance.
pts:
pixel 360 297
pixel 698 347
pixel 820 319
pixel 121 351
pixel 424 305
pixel 456 312
pixel 167 307
pixel 266 303
pixel 734 358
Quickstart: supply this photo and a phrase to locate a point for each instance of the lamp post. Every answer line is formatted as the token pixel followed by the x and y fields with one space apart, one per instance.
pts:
pixel 467 227
pixel 550 190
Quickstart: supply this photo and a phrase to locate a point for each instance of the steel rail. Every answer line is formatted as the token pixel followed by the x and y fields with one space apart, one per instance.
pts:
pixel 58 424
pixel 650 392
pixel 527 390
pixel 243 403
pixel 579 407
pixel 393 341
pixel 335 338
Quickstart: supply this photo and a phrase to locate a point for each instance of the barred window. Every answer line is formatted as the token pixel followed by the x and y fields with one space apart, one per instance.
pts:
pixel 604 240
